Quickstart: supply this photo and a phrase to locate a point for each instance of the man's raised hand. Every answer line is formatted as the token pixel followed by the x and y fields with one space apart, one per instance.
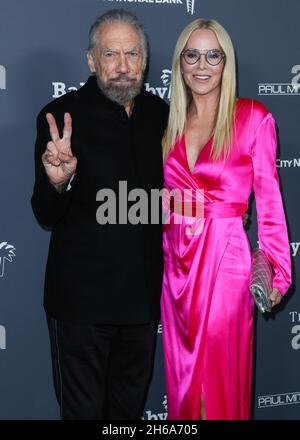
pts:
pixel 58 159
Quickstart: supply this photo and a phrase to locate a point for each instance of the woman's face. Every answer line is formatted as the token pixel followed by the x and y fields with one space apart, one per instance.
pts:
pixel 201 77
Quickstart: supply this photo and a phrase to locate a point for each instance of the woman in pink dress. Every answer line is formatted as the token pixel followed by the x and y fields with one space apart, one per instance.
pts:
pixel 223 147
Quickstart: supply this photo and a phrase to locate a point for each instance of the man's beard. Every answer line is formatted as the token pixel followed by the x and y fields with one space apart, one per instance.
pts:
pixel 120 93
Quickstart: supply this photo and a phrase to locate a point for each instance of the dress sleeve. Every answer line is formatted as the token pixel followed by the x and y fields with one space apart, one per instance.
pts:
pixel 272 229
pixel 49 206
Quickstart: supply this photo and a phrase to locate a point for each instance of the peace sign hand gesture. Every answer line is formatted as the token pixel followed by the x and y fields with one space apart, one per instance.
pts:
pixel 58 159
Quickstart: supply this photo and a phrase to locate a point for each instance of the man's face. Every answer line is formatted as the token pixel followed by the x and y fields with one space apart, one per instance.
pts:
pixel 118 62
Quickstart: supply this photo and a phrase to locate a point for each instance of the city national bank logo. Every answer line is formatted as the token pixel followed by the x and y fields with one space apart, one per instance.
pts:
pixel 7 253
pixel 283 89
pixel 2 77
pixel 165 91
pixel 288 163
pixel 188 4
pixel 149 415
pixel 278 400
pixel 2 338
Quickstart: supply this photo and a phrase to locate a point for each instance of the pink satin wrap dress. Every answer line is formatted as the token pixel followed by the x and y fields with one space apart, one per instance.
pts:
pixel 207 307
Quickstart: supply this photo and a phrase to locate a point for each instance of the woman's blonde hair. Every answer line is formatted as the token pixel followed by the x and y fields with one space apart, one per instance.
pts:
pixel 181 95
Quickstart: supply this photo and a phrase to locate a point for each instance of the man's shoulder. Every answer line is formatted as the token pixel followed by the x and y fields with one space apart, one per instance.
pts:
pixel 155 101
pixel 253 107
pixel 60 104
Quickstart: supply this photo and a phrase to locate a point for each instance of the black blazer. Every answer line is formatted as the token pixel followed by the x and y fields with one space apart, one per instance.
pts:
pixel 106 274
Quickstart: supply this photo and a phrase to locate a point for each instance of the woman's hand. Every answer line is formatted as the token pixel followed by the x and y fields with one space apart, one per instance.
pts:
pixel 245 219
pixel 275 297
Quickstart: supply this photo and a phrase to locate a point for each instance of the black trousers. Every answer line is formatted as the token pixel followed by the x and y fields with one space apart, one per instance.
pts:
pixel 101 371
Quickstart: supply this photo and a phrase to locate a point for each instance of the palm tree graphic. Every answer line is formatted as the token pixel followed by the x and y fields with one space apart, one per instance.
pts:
pixel 166 77
pixel 7 252
pixel 190 5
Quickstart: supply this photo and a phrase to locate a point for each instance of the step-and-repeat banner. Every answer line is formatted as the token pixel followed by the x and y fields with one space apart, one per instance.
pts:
pixel 42 56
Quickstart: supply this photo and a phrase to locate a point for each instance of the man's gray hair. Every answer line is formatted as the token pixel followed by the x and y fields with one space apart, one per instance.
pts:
pixel 119 16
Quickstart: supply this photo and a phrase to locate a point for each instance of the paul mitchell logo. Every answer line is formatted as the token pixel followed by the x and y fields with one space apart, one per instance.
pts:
pixel 282 89
pixel 7 253
pixel 278 400
pixel 149 415
pixel 165 91
pixel 2 77
pixel 295 331
pixel 190 4
pixel 2 338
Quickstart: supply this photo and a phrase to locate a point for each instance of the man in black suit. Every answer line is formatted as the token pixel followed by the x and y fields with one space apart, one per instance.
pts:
pixel 103 280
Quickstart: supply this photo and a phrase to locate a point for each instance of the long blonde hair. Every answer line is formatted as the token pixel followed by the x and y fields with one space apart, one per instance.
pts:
pixel 181 96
